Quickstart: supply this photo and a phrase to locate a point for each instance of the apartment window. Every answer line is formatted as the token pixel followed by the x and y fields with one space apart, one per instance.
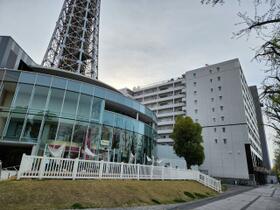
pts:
pixel 194 74
pixel 216 141
pixel 212 99
pixel 195 111
pixel 222 118
pixel 215 129
pixel 210 71
pixel 196 120
pixel 224 130
pixel 219 88
pixel 218 69
pixel 220 97
pixel 195 101
pixel 214 119
pixel 211 80
pixel 225 141
pixel 221 108
pixel 195 92
pixel 194 84
pixel 211 89
pixel 213 109
pixel 219 78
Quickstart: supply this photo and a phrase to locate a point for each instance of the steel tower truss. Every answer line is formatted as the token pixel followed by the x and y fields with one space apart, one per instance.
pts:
pixel 74 43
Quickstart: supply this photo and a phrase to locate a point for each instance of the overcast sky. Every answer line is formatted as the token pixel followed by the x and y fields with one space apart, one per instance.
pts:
pixel 144 41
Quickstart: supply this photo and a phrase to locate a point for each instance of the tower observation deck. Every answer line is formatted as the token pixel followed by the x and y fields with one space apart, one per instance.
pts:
pixel 74 43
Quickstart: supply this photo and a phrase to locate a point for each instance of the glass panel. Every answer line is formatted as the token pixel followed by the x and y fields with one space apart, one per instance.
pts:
pixel 65 130
pixel 3 119
pixel 139 148
pixel 109 118
pixel 70 104
pixel 84 107
pixel 12 76
pixel 106 138
pixel 27 78
pixel 129 124
pixel 99 92
pixel 74 86
pixel 59 83
pixel 115 155
pixel 94 132
pixel 43 80
pixel 49 130
pixel 79 136
pixel 97 109
pixel 2 72
pixel 87 89
pixel 119 121
pixel 15 127
pixel 39 98
pixel 32 128
pixel 126 147
pixel 23 96
pixel 7 94
pixel 55 102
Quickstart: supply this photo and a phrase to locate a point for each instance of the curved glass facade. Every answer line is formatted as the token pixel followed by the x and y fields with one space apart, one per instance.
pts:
pixel 39 109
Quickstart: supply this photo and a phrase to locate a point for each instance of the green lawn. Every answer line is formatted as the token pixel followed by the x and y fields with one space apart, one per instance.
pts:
pixel 61 194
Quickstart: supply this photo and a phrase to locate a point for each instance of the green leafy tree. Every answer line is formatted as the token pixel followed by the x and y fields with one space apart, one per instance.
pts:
pixel 188 141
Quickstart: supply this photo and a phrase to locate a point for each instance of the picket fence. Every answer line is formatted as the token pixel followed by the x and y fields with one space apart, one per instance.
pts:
pixel 39 167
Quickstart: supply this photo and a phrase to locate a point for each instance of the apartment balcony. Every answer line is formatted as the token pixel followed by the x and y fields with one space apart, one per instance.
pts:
pixel 165 131
pixel 167 114
pixel 167 106
pixel 164 140
pixel 179 113
pixel 169 122
pixel 179 104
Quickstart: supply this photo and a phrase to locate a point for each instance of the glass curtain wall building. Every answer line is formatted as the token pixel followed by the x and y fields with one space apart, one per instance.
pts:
pixel 42 106
pixel 40 109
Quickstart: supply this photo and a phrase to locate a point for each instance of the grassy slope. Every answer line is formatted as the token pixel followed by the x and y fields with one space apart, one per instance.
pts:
pixel 59 194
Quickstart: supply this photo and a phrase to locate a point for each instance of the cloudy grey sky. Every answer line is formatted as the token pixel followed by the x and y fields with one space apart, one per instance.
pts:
pixel 144 41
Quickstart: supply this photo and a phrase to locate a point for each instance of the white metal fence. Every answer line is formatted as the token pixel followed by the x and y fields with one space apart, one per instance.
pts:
pixel 64 168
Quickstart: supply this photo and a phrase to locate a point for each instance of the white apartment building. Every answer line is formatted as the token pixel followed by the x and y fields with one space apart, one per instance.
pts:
pixel 168 100
pixel 219 99
pixel 216 96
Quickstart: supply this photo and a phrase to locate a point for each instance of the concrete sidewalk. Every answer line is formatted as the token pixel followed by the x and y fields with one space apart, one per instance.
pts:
pixel 265 197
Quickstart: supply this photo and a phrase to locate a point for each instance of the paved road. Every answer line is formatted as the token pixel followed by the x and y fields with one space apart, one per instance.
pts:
pixel 266 197
pixel 235 198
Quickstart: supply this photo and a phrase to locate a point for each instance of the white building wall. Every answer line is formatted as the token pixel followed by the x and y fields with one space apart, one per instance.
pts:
pixel 216 96
pixel 215 100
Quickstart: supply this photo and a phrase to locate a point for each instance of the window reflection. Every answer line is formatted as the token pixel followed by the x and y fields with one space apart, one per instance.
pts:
pixel 105 142
pixel 15 127
pixel 84 107
pixel 55 102
pixel 65 130
pixel 39 99
pixel 50 128
pixel 97 109
pixel 3 119
pixel 80 132
pixel 94 132
pixel 32 128
pixel 70 104
pixel 7 94
pixel 22 96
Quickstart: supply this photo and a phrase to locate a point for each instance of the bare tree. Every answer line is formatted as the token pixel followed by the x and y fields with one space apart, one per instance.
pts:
pixel 266 25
